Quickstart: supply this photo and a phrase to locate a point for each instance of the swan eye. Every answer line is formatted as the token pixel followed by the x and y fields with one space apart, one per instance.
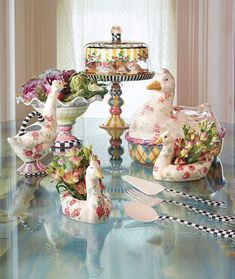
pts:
pixel 165 137
pixel 166 79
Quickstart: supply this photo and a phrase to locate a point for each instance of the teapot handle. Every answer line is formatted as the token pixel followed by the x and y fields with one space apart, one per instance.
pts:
pixel 25 122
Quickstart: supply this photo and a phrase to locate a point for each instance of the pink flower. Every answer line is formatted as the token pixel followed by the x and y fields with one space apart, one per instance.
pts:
pixel 66 194
pixel 76 160
pixel 28 153
pixel 191 168
pixel 81 187
pixel 186 175
pixel 66 211
pixel 100 211
pixel 73 201
pixel 76 212
pixel 35 134
pixel 68 177
pixel 205 169
pixel 180 168
pixel 102 187
pixel 39 147
pixel 155 168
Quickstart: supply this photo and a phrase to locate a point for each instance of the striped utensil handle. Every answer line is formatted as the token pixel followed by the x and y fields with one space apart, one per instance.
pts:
pixel 205 201
pixel 221 218
pixel 230 234
pixel 25 122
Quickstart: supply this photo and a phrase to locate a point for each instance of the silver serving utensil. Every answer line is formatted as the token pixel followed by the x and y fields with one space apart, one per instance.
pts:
pixel 153 188
pixel 137 196
pixel 145 213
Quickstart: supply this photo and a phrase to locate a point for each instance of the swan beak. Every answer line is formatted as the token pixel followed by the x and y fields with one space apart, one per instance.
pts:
pixel 159 140
pixel 155 85
pixel 99 174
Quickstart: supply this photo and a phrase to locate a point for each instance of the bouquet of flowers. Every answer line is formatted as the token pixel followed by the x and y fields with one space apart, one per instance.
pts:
pixel 77 85
pixel 197 145
pixel 69 171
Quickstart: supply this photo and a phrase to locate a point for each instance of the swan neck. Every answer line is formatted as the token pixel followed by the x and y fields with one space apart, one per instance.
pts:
pixel 50 106
pixel 92 187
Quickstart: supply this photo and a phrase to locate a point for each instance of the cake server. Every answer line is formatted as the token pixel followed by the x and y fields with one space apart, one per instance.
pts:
pixel 153 188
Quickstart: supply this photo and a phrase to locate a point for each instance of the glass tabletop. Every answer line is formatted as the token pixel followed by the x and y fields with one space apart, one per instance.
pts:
pixel 38 241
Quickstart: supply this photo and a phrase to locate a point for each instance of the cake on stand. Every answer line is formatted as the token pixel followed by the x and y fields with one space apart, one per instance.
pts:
pixel 117 62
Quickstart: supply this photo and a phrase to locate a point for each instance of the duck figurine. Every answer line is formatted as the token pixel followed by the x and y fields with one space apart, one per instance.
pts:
pixel 159 114
pixel 96 208
pixel 163 168
pixel 34 144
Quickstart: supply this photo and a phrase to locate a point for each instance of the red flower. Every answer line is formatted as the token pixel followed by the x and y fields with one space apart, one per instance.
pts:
pixel 38 147
pixel 180 168
pixel 76 212
pixel 205 169
pixel 191 168
pixel 102 187
pixel 28 153
pixel 100 211
pixel 186 175
pixel 66 211
pixel 73 201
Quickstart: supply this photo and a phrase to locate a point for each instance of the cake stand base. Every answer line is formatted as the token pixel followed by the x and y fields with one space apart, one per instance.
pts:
pixel 65 140
pixel 115 121
pixel 35 168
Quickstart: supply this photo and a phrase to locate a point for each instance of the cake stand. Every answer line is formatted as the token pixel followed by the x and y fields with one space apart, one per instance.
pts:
pixel 116 62
pixel 115 101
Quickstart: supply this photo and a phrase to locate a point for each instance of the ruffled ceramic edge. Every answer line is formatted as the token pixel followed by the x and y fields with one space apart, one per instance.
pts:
pixel 78 101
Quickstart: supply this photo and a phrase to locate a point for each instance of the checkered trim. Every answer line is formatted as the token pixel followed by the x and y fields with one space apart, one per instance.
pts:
pixel 221 218
pixel 230 234
pixel 25 122
pixel 28 228
pixel 120 78
pixel 205 201
pixel 42 173
pixel 62 146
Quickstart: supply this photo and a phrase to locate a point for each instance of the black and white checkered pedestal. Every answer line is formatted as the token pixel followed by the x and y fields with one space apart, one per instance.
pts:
pixel 62 146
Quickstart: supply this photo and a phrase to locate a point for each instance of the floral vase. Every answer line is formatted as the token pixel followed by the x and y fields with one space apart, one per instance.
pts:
pixel 66 115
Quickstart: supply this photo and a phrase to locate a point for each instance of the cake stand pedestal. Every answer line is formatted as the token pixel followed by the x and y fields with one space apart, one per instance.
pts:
pixel 115 121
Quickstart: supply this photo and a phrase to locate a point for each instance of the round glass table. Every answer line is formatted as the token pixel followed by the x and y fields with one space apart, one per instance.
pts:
pixel 38 241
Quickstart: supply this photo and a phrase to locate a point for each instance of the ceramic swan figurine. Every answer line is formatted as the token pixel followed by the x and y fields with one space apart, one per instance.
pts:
pixel 96 208
pixel 159 114
pixel 163 168
pixel 32 146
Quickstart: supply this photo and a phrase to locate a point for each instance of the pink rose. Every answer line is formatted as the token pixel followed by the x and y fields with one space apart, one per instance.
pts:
pixel 100 211
pixel 191 168
pixel 186 175
pixel 28 153
pixel 39 147
pixel 205 169
pixel 72 202
pixel 180 168
pixel 76 212
pixel 37 156
pixel 66 211
pixel 35 134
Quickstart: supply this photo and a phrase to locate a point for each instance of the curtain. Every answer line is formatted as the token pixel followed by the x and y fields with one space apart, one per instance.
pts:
pixel 150 21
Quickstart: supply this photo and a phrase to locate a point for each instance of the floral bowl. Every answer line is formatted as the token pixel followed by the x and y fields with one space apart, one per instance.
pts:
pixel 66 115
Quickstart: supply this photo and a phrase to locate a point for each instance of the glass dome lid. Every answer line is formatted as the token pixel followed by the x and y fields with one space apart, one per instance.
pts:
pixel 116 42
pixel 116 57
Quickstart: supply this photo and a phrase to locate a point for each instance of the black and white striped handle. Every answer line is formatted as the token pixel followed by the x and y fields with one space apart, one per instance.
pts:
pixel 230 234
pixel 221 218
pixel 205 201
pixel 27 119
